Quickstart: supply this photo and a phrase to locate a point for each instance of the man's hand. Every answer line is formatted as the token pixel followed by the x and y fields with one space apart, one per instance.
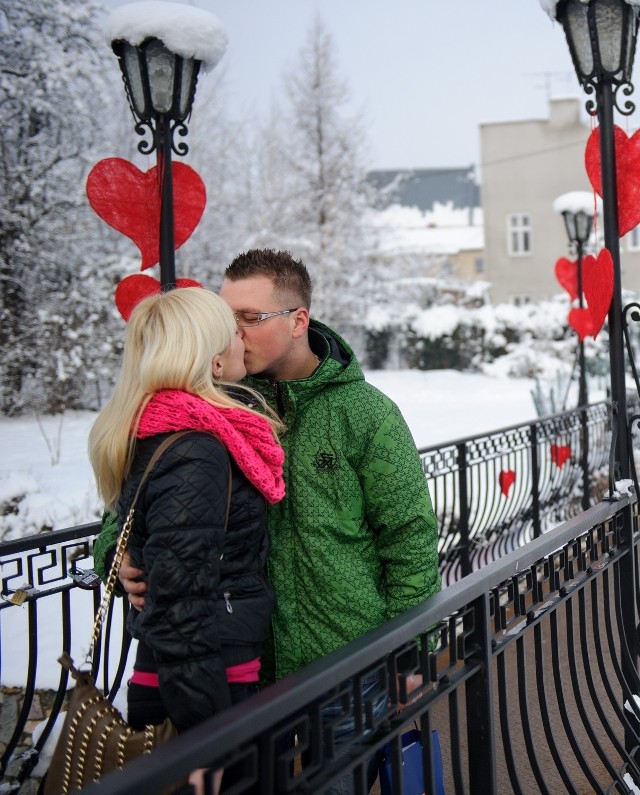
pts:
pixel 128 576
pixel 413 683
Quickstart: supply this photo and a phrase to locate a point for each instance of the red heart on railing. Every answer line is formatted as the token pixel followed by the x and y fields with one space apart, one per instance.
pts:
pixel 627 174
pixel 566 271
pixel 559 454
pixel 132 289
pixel 597 283
pixel 129 200
pixel 506 479
pixel 580 321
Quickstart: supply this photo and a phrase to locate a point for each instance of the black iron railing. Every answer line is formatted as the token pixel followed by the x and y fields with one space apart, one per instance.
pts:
pixel 494 493
pixel 480 519
pixel 531 686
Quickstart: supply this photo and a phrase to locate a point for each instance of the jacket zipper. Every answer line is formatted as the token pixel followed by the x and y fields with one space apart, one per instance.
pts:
pixel 227 595
pixel 279 401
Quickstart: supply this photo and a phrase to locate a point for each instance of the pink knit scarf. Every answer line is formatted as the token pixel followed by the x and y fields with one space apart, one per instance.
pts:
pixel 247 437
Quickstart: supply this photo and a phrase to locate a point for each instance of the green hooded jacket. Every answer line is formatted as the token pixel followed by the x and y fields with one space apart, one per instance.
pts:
pixel 354 542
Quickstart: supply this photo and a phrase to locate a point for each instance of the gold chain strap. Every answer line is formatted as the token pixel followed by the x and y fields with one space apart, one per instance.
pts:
pixel 121 547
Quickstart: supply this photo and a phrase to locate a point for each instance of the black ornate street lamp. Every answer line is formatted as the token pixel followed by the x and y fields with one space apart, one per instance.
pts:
pixel 160 87
pixel 578 221
pixel 161 47
pixel 602 38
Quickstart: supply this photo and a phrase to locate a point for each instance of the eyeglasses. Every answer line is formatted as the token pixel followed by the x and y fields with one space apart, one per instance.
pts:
pixel 245 319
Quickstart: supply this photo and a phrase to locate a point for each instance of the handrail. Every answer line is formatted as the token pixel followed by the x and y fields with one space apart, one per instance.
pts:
pixel 511 717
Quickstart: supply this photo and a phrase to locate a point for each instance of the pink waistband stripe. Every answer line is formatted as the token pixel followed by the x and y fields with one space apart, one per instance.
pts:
pixel 238 674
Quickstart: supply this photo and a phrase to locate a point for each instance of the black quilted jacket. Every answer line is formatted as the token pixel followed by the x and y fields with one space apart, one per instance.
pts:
pixel 208 603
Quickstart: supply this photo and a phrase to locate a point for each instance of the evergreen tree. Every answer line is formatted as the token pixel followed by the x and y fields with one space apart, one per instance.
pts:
pixel 56 294
pixel 312 179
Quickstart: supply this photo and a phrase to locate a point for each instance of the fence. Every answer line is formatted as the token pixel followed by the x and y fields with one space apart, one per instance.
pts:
pixel 494 493
pixel 481 517
pixel 532 685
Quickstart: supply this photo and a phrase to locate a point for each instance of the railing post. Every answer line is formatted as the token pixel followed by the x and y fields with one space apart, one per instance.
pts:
pixel 463 491
pixel 480 705
pixel 584 458
pixel 535 480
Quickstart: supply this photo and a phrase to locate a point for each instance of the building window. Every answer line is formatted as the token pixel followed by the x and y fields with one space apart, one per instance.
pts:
pixel 633 239
pixel 521 300
pixel 479 265
pixel 519 235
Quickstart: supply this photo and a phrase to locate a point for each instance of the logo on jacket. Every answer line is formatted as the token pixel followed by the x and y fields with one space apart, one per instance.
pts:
pixel 325 462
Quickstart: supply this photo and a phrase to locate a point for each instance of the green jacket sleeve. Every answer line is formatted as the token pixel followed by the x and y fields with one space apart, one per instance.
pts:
pixel 399 511
pixel 105 546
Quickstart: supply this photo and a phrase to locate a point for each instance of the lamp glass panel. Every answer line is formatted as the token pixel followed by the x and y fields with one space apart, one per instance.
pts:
pixel 185 86
pixel 576 25
pixel 161 68
pixel 583 224
pixel 609 18
pixel 134 78
pixel 632 28
pixel 570 224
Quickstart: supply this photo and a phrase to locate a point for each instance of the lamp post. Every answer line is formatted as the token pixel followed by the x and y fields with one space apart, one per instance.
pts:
pixel 601 35
pixel 160 87
pixel 161 48
pixel 576 210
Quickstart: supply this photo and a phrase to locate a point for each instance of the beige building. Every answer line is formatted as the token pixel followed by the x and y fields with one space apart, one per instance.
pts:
pixel 525 166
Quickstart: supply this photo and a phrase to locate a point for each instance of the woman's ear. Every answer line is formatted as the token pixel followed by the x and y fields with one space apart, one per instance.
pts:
pixel 216 367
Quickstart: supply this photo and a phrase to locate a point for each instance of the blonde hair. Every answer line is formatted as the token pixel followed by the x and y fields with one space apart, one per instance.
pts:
pixel 170 343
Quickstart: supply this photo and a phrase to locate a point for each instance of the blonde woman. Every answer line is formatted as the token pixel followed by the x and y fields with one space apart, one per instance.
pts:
pixel 208 603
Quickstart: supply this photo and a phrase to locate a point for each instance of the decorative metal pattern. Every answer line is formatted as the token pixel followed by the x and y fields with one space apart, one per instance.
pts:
pixel 530 687
pixel 477 522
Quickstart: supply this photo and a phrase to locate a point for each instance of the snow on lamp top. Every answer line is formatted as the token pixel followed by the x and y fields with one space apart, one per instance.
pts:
pixel 184 30
pixel 577 201
pixel 550 6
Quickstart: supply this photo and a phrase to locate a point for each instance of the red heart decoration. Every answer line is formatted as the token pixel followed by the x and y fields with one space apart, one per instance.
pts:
pixel 566 271
pixel 129 200
pixel 597 283
pixel 627 174
pixel 506 479
pixel 580 321
pixel 132 289
pixel 559 454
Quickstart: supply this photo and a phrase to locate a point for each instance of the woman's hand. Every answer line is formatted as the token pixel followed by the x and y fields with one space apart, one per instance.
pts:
pixel 196 779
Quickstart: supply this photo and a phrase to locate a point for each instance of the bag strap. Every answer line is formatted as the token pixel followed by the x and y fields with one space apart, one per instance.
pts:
pixel 123 539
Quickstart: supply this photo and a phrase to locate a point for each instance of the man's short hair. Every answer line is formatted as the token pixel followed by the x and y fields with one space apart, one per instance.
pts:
pixel 289 276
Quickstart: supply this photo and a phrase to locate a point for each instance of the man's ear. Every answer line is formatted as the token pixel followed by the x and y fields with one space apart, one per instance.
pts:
pixel 301 322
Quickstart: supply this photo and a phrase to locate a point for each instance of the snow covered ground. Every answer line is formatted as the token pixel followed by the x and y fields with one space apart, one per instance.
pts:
pixel 45 470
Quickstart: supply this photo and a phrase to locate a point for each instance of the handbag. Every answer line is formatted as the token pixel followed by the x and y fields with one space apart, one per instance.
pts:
pixel 95 739
pixel 412 768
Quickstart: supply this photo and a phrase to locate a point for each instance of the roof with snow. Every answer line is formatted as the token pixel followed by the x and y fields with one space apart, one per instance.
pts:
pixel 425 187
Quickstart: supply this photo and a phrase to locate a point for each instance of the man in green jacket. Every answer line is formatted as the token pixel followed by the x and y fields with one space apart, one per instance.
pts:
pixel 354 542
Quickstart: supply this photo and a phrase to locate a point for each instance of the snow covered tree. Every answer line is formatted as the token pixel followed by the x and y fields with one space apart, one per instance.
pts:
pixel 312 182
pixel 56 81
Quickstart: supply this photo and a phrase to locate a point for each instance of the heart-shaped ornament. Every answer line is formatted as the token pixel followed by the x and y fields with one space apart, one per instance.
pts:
pixel 132 289
pixel 566 271
pixel 506 479
pixel 597 283
pixel 560 454
pixel 129 200
pixel 627 174
pixel 580 321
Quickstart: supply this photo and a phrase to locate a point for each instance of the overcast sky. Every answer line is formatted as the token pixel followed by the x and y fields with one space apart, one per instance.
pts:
pixel 424 73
